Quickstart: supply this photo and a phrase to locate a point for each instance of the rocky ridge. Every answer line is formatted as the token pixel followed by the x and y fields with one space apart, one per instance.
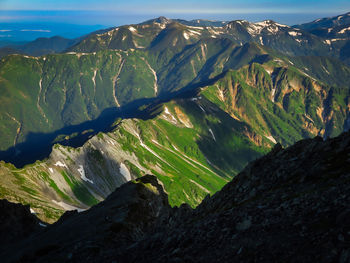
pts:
pixel 290 205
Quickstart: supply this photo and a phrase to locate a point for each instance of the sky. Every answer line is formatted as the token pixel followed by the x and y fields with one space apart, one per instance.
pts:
pixel 183 6
pixel 51 16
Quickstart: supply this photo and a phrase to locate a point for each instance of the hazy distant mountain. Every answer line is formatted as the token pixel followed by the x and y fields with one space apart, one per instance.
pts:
pixel 39 47
pixel 335 31
pixel 194 22
pixel 327 22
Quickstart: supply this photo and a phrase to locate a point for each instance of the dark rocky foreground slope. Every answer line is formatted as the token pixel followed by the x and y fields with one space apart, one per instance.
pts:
pixel 291 205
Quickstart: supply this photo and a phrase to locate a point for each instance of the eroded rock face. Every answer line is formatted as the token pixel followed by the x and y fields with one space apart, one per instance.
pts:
pixel 115 223
pixel 16 222
pixel 292 205
pixel 289 206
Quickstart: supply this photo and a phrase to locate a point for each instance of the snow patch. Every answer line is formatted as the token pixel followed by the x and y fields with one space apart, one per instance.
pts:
pixel 82 174
pixel 268 25
pixel 273 91
pixel 125 172
pixel 176 149
pixel 132 29
pixel 203 48
pixel 137 45
pixel 294 33
pixel 94 78
pixel 212 134
pixel 32 211
pixel 309 118
pixel 192 32
pixel 196 27
pixel 261 40
pixel 269 71
pixel 278 60
pixel 200 186
pixel 168 113
pixel 155 85
pixel 201 108
pixel 186 35
pixel 67 207
pixel 188 198
pixel 337 39
pixel 344 30
pixel 221 94
pixel 60 164
pixel 271 139
pixel 42 225
pixel 184 157
pixel 51 170
pixel 150 150
pixel 325 70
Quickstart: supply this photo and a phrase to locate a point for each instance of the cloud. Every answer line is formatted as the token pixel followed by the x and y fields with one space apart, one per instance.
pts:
pixel 35 30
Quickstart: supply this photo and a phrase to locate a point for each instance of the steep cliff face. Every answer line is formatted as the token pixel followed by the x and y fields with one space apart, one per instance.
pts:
pixel 16 222
pixel 290 205
pixel 281 102
pixel 120 220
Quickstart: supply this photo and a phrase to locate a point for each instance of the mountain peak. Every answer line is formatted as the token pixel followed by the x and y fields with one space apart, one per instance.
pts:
pixel 160 20
pixel 267 21
pixel 163 20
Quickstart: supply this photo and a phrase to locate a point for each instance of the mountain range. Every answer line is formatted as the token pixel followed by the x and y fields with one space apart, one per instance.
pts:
pixel 191 102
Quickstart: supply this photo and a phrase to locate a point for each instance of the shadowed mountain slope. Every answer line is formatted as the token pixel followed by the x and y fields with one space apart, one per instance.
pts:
pixel 302 192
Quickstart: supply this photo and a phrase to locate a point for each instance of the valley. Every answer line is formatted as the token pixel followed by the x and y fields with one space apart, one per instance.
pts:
pixel 189 102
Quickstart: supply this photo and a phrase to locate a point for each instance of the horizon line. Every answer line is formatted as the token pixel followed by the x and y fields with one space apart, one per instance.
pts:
pixel 226 11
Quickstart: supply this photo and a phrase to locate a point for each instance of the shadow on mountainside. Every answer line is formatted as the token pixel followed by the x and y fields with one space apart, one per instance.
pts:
pixel 38 146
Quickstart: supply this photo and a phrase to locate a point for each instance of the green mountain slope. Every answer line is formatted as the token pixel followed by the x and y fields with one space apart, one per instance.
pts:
pixel 124 64
pixel 281 102
pixel 194 153
pixel 48 93
pixel 192 144
pixel 45 94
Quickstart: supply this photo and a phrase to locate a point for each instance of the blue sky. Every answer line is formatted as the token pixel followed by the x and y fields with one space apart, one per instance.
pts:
pixel 41 14
pixel 184 6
